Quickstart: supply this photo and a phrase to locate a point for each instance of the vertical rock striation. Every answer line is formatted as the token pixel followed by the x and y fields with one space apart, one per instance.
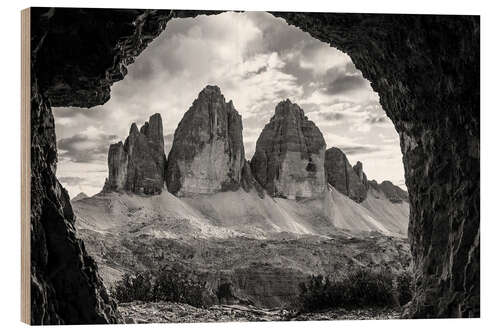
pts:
pixel 358 169
pixel 207 154
pixel 341 175
pixel 138 166
pixel 352 181
pixel 290 154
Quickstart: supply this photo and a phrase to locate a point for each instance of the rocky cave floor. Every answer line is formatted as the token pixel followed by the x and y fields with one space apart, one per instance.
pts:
pixel 168 312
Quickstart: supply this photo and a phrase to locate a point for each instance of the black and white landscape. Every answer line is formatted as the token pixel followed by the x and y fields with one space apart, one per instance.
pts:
pixel 252 173
pixel 239 209
pixel 251 230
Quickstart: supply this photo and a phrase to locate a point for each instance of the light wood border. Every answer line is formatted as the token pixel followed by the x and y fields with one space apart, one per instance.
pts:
pixel 25 165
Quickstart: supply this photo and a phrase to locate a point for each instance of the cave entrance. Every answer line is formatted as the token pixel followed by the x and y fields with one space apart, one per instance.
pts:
pixel 280 80
pixel 418 64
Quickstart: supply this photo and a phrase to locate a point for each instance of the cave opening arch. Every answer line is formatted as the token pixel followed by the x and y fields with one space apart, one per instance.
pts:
pixel 425 69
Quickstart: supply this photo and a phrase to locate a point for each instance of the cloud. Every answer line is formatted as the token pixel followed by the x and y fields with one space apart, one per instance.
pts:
pixel 71 181
pixel 357 150
pixel 378 120
pixel 332 116
pixel 74 112
pixel 276 35
pixel 84 148
pixel 82 177
pixel 346 83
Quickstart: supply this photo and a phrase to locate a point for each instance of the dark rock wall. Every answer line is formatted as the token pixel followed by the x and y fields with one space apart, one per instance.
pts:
pixel 76 54
pixel 424 67
pixel 341 175
pixel 65 286
pixel 94 47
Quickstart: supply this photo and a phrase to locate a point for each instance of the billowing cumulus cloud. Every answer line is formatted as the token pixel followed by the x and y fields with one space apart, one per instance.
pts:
pixel 258 62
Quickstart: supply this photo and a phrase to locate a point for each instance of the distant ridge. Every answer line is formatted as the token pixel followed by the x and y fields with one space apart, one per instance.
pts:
pixel 79 196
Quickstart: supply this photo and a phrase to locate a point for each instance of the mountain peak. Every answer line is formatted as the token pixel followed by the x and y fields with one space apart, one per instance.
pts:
pixel 286 107
pixel 133 129
pixel 346 179
pixel 79 196
pixel 393 192
pixel 289 155
pixel 210 91
pixel 207 154
pixel 352 181
pixel 138 166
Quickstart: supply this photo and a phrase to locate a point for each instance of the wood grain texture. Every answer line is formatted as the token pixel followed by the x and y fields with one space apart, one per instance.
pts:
pixel 25 165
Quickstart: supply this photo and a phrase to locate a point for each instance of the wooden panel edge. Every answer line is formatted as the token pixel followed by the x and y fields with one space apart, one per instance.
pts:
pixel 25 165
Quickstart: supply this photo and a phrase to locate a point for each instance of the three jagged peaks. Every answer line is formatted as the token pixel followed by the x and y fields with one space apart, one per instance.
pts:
pixel 208 156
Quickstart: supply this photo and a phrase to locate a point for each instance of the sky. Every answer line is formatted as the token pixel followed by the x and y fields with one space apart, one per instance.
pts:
pixel 257 60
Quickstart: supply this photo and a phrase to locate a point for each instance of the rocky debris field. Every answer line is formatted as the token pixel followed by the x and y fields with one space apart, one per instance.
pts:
pixel 264 272
pixel 167 312
pixel 356 314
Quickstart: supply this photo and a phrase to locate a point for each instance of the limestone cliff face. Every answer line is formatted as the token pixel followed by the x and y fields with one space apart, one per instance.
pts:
pixel 207 154
pixel 289 155
pixel 353 182
pixel 358 169
pixel 138 166
pixel 341 175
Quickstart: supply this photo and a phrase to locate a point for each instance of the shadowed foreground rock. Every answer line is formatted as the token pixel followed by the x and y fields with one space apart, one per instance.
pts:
pixel 290 155
pixel 65 286
pixel 168 312
pixel 207 154
pixel 425 69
